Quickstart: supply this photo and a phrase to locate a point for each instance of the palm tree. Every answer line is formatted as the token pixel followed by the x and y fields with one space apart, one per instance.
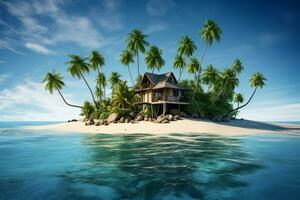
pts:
pixel 193 67
pixel 123 97
pixel 136 43
pixel 210 32
pixel 77 67
pixel 96 61
pixel 153 58
pixel 114 80
pixel 101 81
pixel 210 76
pixel 54 81
pixel 126 58
pixel 238 98
pixel 237 66
pixel 185 49
pixel 257 80
pixel 228 81
pixel 179 63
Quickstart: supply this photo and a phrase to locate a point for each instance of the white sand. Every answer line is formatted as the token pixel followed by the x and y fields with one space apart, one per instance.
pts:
pixel 235 127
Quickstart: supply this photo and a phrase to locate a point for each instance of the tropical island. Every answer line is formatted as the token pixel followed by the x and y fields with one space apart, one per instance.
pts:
pixel 208 96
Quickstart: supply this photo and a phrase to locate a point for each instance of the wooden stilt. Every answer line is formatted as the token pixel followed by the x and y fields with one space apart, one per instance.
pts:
pixel 164 108
pixel 152 111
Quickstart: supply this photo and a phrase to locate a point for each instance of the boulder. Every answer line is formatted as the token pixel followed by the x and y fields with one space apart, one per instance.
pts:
pixel 122 120
pixel 105 123
pixel 226 119
pixel 113 117
pixel 145 118
pixel 177 117
pixel 174 112
pixel 217 118
pixel 139 117
pixel 73 120
pixel 164 121
pixel 170 117
pixel 182 114
pixel 97 123
pixel 132 114
pixel 150 119
pixel 160 119
pixel 90 122
pixel 194 115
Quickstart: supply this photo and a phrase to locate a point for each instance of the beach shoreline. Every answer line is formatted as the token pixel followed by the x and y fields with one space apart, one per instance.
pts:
pixel 232 128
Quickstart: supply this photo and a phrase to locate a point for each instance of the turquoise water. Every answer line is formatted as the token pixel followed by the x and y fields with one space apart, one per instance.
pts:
pixel 35 165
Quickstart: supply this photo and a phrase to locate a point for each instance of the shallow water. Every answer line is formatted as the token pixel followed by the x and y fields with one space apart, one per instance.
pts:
pixel 141 166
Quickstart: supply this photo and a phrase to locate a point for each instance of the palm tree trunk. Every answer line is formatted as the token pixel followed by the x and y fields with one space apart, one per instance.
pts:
pixel 181 70
pixel 199 71
pixel 89 89
pixel 152 70
pixel 99 84
pixel 138 65
pixel 67 102
pixel 236 111
pixel 130 75
pixel 239 107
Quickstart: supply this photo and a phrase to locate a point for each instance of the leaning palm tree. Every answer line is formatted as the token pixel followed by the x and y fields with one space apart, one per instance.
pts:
pixel 153 58
pixel 210 32
pixel 96 61
pixel 237 66
pixel 257 80
pixel 210 77
pixel 54 81
pixel 193 67
pixel 185 49
pixel 126 58
pixel 77 67
pixel 101 82
pixel 136 43
pixel 114 80
pixel 179 63
pixel 238 98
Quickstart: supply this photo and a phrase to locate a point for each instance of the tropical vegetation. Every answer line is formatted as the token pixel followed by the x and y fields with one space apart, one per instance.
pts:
pixel 211 90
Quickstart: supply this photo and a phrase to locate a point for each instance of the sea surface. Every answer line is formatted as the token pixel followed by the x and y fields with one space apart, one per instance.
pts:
pixel 45 165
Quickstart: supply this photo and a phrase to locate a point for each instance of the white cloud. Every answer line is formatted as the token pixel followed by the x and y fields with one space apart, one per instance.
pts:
pixel 29 101
pixel 3 77
pixel 110 18
pixel 38 48
pixel 60 27
pixel 157 27
pixel 159 7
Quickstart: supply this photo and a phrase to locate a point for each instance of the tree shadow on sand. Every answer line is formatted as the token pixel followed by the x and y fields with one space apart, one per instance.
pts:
pixel 143 166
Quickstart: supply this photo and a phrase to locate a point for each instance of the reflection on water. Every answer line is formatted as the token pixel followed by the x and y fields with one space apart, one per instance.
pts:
pixel 138 166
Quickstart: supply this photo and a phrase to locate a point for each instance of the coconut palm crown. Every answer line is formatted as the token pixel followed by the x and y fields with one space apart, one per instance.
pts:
pixel 237 66
pixel 126 58
pixel 210 32
pixel 210 76
pixel 153 58
pixel 54 81
pixel 136 42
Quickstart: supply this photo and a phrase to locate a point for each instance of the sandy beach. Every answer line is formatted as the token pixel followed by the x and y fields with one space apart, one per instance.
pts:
pixel 233 128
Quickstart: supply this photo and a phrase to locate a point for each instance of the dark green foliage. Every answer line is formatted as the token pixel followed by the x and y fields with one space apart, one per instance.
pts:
pixel 87 110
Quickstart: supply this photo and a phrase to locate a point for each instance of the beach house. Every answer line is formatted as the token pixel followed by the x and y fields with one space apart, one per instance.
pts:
pixel 161 91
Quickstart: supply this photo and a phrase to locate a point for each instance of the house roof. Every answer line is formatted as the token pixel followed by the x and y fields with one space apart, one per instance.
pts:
pixel 161 81
pixel 156 78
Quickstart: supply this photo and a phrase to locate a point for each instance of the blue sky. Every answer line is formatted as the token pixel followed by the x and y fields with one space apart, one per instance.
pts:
pixel 37 35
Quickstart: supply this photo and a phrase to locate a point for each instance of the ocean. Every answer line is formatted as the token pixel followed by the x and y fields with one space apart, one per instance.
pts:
pixel 46 165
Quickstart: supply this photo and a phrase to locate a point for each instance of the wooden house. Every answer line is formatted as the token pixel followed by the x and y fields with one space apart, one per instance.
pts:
pixel 161 90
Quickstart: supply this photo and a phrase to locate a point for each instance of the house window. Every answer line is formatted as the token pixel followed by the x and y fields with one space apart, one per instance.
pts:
pixel 175 93
pixel 157 94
